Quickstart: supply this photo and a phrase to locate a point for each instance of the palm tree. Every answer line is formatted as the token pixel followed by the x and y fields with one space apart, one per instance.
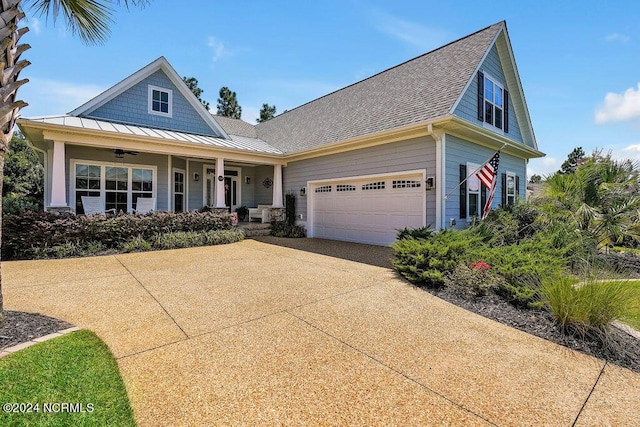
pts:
pixel 88 19
pixel 602 195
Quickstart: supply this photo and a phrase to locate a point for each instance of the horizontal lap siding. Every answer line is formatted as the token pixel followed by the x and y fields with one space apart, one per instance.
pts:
pixel 459 151
pixel 414 154
pixel 107 156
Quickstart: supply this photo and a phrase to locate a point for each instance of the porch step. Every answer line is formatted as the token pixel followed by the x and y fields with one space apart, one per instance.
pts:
pixel 255 229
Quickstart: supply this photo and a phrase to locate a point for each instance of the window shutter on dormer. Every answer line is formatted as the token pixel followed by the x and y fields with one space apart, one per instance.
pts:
pixel 463 191
pixel 506 111
pixel 481 96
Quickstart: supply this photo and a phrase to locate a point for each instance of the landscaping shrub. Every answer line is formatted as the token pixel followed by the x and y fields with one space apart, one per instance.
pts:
pixel 188 239
pixel 32 234
pixel 284 229
pixel 523 267
pixel 427 261
pixel 474 279
pixel 414 233
pixel 589 308
pixel 137 244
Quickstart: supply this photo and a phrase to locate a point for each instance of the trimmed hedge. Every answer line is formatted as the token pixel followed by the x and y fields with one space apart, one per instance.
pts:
pixel 32 232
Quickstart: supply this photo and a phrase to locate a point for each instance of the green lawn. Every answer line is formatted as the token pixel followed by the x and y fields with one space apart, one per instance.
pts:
pixel 73 380
pixel 634 319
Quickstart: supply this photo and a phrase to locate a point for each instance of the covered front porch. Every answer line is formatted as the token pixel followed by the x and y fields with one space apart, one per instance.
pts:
pixel 179 171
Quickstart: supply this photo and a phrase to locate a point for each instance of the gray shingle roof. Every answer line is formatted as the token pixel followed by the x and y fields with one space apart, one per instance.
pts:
pixel 420 89
pixel 236 126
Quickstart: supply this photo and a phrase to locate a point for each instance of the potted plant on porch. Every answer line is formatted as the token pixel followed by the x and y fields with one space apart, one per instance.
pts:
pixel 242 211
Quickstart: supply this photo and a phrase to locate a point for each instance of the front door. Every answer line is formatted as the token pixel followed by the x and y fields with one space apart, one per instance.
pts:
pixel 231 192
pixel 231 187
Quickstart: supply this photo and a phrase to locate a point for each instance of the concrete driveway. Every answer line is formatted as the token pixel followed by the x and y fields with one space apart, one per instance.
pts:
pixel 258 334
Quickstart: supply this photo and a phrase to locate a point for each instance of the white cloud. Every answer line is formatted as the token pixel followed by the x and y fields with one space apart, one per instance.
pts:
pixel 617 37
pixel 218 48
pixel 544 167
pixel 50 97
pixel 619 107
pixel 418 35
pixel 631 152
pixel 35 26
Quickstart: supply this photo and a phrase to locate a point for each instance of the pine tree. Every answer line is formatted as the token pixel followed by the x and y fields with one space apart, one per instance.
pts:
pixel 267 112
pixel 228 104
pixel 192 84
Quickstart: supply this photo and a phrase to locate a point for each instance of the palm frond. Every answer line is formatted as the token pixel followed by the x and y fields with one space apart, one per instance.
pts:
pixel 88 19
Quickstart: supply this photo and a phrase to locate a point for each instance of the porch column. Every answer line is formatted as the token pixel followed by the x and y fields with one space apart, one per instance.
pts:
pixel 277 186
pixel 58 177
pixel 220 183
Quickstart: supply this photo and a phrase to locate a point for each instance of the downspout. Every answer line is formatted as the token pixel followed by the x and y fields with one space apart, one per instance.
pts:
pixel 439 138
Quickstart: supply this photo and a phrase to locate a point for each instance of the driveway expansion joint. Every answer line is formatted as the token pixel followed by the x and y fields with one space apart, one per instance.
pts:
pixel 152 296
pixel 391 368
pixel 590 393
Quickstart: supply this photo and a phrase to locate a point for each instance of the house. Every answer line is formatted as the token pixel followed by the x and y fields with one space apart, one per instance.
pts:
pixel 388 152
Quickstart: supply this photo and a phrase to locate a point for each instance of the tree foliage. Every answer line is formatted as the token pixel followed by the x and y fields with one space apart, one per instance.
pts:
pixel 535 179
pixel 192 84
pixel 228 104
pixel 573 160
pixel 23 181
pixel 267 112
pixel 602 197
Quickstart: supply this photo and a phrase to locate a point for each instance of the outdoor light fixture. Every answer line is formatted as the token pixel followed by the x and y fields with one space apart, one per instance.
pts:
pixel 303 191
pixel 247 180
pixel 196 176
pixel 220 178
pixel 430 182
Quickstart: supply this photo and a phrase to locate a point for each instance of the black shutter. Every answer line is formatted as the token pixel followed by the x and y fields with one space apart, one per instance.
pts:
pixel 481 96
pixel 483 196
pixel 517 187
pixel 463 191
pixel 504 189
pixel 506 111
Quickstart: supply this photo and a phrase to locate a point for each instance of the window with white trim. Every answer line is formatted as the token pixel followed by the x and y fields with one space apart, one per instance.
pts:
pixel 493 102
pixel 511 188
pixel 160 101
pixel 119 186
pixel 474 208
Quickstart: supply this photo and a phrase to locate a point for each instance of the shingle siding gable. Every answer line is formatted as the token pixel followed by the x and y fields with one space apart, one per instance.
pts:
pixel 131 106
pixel 468 106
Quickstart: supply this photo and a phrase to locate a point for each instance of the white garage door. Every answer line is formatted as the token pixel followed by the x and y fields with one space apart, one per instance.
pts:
pixel 367 209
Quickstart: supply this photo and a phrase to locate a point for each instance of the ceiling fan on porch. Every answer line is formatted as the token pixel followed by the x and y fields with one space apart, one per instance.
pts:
pixel 120 153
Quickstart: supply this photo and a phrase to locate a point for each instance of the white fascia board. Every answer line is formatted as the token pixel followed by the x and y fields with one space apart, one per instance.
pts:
pixel 475 72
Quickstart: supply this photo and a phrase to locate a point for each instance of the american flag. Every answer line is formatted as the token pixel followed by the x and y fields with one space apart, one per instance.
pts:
pixel 488 175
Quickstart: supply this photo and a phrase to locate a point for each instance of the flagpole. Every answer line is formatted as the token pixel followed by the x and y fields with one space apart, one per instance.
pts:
pixel 446 196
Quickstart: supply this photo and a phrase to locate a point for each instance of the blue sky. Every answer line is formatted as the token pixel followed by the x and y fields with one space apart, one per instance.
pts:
pixel 579 65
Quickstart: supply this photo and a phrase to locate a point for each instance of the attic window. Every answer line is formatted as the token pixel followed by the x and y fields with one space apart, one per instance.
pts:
pixel 493 102
pixel 160 101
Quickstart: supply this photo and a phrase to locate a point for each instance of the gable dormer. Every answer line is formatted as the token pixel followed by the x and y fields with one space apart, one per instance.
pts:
pixel 494 98
pixel 154 97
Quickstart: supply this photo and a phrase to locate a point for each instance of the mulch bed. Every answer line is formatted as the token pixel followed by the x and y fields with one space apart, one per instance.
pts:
pixel 21 327
pixel 620 348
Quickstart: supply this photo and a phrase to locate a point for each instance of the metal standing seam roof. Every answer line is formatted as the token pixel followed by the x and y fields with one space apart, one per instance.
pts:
pixel 420 89
pixel 236 142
